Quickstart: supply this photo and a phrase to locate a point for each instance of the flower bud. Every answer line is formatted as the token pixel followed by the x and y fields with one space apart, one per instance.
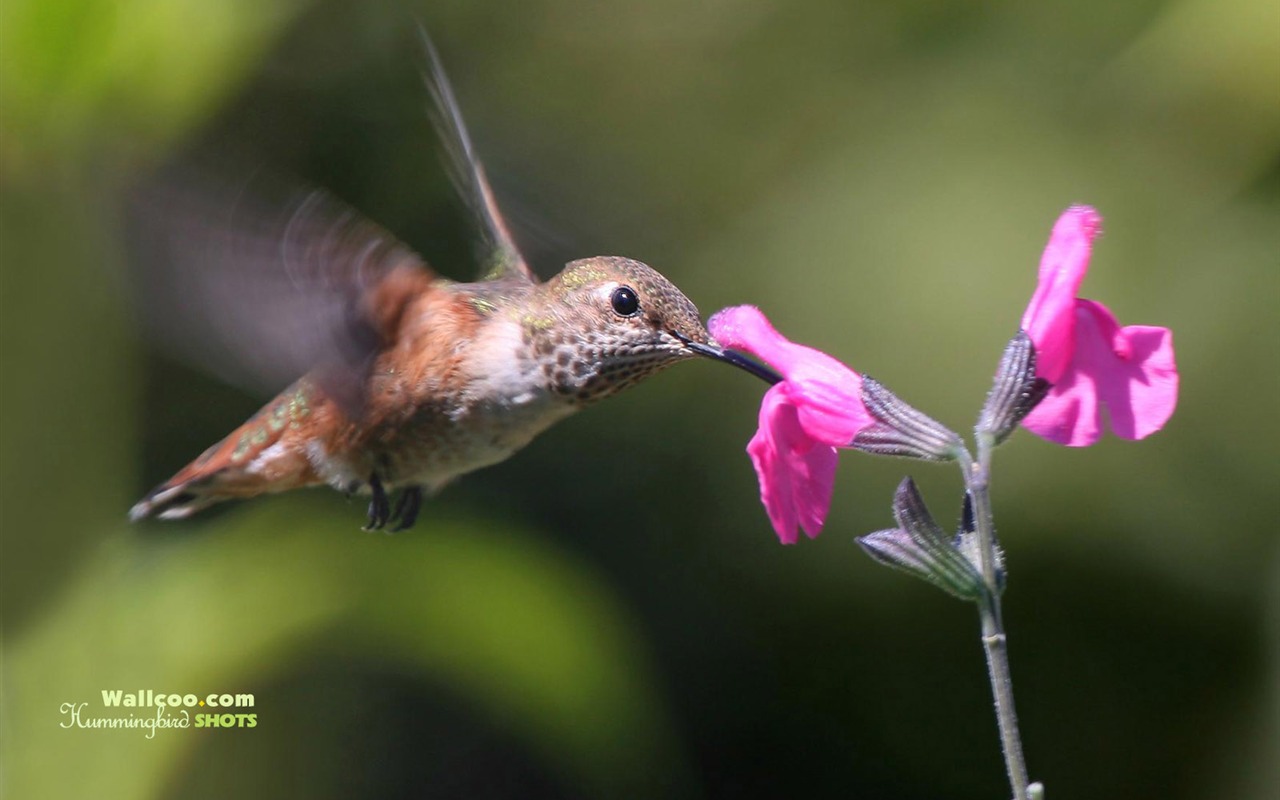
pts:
pixel 918 546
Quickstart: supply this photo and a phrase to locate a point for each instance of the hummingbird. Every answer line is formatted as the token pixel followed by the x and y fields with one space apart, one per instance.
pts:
pixel 408 379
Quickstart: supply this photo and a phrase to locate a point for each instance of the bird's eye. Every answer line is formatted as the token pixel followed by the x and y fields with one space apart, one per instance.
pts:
pixel 624 301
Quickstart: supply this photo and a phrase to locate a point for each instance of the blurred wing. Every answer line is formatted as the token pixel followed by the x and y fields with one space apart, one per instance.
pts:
pixel 502 259
pixel 261 290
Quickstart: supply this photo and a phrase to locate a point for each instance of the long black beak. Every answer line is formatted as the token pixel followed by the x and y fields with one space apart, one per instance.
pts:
pixel 730 357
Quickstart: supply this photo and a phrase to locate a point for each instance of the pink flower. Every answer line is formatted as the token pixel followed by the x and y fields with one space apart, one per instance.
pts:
pixel 1090 360
pixel 815 409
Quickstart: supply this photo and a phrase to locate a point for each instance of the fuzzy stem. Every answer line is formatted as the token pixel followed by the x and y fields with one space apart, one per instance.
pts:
pixel 976 478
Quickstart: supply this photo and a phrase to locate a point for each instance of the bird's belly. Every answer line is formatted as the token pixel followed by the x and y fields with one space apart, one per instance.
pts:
pixel 434 448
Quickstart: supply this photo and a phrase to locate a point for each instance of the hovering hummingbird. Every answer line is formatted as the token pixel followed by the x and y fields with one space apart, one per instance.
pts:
pixel 411 380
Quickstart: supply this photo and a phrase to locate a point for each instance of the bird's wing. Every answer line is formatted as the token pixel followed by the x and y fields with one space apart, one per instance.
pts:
pixel 261 286
pixel 501 259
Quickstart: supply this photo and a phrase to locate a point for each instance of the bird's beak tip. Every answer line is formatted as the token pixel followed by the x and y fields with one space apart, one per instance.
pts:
pixel 711 349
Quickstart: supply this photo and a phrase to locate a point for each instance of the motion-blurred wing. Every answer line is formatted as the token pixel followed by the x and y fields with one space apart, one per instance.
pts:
pixel 502 259
pixel 263 286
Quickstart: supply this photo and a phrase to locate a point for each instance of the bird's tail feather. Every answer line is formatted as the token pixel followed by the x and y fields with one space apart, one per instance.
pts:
pixel 257 458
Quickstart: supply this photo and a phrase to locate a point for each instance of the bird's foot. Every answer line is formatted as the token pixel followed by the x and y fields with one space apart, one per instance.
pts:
pixel 379 506
pixel 407 507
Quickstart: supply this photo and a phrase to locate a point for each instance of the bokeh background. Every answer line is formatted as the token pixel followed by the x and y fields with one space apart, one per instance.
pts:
pixel 608 614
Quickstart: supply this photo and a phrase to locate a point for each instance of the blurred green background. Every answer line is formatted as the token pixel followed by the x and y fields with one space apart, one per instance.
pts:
pixel 608 614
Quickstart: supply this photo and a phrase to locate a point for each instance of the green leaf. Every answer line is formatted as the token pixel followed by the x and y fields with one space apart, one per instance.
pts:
pixel 530 639
pixel 126 74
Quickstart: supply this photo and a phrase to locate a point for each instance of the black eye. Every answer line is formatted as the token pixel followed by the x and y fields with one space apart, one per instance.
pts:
pixel 624 301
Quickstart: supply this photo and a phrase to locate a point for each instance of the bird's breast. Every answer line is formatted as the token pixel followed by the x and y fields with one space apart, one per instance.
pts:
pixel 489 400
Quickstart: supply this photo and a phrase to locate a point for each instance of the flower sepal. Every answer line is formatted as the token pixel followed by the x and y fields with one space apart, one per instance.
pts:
pixel 1015 392
pixel 918 546
pixel 902 430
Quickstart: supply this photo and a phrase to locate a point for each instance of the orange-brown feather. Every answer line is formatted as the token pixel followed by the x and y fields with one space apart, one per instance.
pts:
pixel 265 454
pixel 420 357
pixel 271 452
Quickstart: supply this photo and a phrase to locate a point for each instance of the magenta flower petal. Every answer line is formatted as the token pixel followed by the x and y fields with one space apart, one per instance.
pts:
pixel 1050 317
pixel 827 394
pixel 797 473
pixel 1091 361
pixel 1129 371
pixel 816 408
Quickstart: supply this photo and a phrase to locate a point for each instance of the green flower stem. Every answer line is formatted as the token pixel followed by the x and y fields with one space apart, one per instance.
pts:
pixel 976 477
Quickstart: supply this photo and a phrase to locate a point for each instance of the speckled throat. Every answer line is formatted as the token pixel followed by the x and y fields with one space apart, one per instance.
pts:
pixel 581 349
pixel 591 367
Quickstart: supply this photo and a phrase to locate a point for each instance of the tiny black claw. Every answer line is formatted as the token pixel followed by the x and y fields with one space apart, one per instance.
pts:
pixel 407 508
pixel 379 506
